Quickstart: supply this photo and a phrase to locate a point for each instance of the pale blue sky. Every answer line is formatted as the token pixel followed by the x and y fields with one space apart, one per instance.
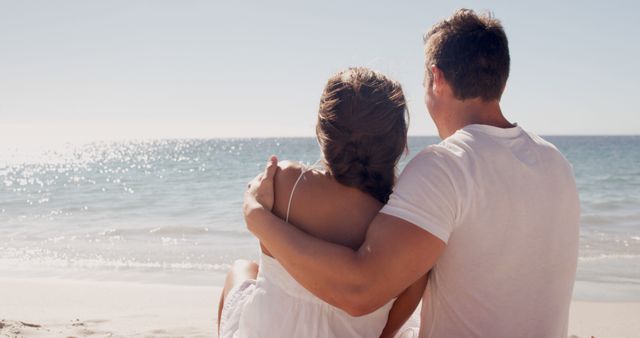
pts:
pixel 257 68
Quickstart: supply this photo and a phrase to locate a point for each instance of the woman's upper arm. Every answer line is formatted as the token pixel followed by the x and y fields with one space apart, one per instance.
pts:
pixel 404 306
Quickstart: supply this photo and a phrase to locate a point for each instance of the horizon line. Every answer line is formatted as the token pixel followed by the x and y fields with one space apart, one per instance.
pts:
pixel 24 134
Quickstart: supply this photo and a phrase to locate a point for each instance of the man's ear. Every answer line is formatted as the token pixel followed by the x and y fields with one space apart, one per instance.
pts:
pixel 437 81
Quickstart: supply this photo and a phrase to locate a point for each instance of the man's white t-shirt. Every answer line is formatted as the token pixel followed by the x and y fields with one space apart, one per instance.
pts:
pixel 505 203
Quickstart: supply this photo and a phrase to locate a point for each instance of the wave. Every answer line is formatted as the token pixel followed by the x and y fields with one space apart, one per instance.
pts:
pixel 602 257
pixel 179 230
pixel 108 264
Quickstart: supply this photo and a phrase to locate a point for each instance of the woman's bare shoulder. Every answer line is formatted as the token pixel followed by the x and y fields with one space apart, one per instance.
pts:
pixel 286 176
pixel 289 167
pixel 321 206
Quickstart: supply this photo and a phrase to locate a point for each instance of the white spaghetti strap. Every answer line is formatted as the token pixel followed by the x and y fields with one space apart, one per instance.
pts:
pixel 291 196
pixel 304 170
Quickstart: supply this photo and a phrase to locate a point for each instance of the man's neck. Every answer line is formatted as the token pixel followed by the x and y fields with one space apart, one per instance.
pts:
pixel 460 114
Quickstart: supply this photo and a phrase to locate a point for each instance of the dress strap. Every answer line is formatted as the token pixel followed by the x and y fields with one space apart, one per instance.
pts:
pixel 291 196
pixel 304 171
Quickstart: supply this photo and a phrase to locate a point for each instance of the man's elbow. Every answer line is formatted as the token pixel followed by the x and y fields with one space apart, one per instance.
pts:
pixel 359 296
pixel 359 303
pixel 360 310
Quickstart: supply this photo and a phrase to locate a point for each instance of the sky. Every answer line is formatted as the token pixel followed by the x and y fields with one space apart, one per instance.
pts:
pixel 134 68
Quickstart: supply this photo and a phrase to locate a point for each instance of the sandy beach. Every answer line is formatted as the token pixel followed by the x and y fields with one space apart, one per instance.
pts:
pixel 69 308
pixel 63 308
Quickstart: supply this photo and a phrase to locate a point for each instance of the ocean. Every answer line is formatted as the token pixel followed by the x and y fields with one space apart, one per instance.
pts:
pixel 169 211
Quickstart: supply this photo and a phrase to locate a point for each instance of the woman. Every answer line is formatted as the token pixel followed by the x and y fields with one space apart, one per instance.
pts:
pixel 362 132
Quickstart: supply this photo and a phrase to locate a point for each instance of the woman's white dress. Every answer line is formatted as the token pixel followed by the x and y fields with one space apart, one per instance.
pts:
pixel 276 305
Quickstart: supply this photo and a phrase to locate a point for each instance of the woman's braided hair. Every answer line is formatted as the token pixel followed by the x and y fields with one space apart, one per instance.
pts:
pixel 362 130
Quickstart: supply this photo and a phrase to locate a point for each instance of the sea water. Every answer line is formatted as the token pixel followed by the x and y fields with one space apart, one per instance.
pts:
pixel 169 211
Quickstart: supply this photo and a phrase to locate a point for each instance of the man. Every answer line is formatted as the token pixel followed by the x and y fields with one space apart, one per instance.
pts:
pixel 492 211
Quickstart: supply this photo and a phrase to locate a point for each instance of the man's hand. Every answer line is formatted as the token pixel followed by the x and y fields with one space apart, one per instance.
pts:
pixel 259 194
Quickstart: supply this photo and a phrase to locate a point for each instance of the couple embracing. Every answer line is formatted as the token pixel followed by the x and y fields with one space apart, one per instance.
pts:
pixel 482 228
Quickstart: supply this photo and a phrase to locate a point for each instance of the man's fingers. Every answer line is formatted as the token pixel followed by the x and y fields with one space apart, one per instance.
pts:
pixel 270 169
pixel 260 189
pixel 255 180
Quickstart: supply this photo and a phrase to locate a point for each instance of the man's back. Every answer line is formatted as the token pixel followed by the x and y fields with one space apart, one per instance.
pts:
pixel 506 204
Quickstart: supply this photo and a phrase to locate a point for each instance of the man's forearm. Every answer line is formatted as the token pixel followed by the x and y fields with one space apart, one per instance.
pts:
pixel 332 272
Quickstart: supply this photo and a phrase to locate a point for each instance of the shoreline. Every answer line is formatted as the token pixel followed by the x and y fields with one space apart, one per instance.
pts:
pixel 50 307
pixel 604 319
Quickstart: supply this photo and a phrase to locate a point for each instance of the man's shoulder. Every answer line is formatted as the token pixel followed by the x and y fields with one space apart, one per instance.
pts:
pixel 449 155
pixel 549 150
pixel 540 141
pixel 442 162
pixel 435 155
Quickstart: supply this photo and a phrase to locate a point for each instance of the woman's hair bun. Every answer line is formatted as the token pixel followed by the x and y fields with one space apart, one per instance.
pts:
pixel 362 129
